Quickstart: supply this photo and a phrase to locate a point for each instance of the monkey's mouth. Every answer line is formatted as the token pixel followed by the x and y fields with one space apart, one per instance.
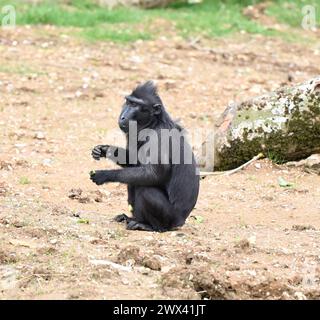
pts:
pixel 124 128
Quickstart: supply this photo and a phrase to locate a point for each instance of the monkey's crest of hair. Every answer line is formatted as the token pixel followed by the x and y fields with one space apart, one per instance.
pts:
pixel 148 92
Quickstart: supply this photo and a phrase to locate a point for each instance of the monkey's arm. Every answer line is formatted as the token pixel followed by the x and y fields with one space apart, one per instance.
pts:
pixel 118 155
pixel 138 176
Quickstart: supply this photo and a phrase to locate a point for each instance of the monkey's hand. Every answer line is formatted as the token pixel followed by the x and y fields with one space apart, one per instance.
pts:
pixel 99 151
pixel 99 177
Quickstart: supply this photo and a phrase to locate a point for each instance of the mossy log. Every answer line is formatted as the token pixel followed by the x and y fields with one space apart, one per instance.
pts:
pixel 284 125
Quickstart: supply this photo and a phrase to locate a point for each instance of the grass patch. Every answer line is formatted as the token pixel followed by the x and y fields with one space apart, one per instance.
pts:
pixel 290 12
pixel 211 18
pixel 77 13
pixel 19 69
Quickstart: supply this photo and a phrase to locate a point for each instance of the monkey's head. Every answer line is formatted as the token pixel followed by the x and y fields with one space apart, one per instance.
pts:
pixel 143 106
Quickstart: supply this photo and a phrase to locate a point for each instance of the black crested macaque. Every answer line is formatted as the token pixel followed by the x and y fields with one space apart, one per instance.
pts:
pixel 161 194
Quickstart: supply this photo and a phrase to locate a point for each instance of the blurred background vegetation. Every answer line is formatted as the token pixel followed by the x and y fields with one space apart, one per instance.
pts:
pixel 105 20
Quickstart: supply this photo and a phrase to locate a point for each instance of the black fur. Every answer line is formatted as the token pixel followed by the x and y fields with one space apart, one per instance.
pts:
pixel 161 195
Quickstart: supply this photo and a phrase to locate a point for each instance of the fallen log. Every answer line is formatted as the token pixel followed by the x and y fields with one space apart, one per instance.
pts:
pixel 145 4
pixel 310 165
pixel 283 125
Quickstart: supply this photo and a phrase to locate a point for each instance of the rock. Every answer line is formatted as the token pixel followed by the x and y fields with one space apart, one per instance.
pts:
pixel 129 252
pixel 20 145
pixel 143 270
pixel 201 279
pixel 152 263
pixel 4 165
pixel 110 264
pixel 82 197
pixel 189 258
pixel 39 135
pixel 300 296
pixel 299 227
pixel 75 193
pixel 6 258
pixel 252 240
pixel 47 162
pixel 133 256
pixel 243 244
pixel 3 189
pixel 22 163
pixel 8 277
pixel 98 196
pixel 60 210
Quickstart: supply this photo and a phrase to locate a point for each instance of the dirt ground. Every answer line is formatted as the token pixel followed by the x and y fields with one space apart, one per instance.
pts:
pixel 60 96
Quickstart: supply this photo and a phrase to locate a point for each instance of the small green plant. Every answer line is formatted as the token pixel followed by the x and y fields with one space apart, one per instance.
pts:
pixel 198 219
pixel 84 221
pixel 285 184
pixel 275 158
pixel 24 180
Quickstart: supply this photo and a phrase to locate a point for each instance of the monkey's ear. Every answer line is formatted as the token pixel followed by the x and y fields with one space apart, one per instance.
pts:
pixel 156 108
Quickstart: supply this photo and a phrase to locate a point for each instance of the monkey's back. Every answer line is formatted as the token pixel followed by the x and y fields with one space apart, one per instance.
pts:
pixel 183 187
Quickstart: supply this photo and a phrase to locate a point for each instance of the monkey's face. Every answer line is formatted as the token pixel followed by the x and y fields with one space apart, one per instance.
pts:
pixel 137 111
pixel 142 106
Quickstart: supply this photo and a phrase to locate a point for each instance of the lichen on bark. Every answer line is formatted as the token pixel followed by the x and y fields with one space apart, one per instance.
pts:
pixel 284 124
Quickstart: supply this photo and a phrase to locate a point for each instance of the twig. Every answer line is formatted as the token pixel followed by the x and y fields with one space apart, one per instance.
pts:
pixel 229 172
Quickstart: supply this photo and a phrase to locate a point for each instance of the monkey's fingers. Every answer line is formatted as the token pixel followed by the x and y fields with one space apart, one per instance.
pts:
pixel 95 180
pixel 99 152
pixel 97 177
pixel 96 154
pixel 121 218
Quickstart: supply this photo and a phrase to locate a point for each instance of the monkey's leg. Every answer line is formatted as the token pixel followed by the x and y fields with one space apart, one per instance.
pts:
pixel 135 225
pixel 153 209
pixel 131 196
pixel 131 223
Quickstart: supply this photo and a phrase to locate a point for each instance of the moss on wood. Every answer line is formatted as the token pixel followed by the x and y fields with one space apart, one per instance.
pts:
pixel 285 123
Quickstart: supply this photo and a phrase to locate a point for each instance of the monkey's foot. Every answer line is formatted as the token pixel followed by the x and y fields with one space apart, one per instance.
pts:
pixel 122 218
pixel 134 225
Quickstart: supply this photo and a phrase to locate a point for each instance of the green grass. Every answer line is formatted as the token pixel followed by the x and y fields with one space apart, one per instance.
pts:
pixel 19 69
pixel 214 18
pixel 211 18
pixel 289 12
pixel 275 158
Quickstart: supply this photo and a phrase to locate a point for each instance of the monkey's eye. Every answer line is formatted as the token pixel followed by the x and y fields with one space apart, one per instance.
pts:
pixel 133 105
